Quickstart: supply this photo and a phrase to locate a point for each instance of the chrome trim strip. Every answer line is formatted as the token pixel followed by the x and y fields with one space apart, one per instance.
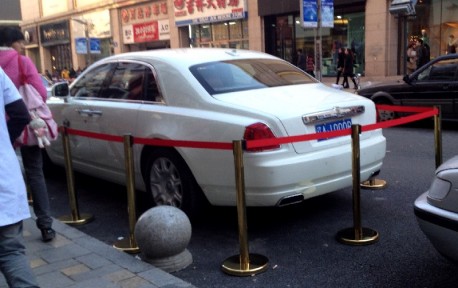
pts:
pixel 334 113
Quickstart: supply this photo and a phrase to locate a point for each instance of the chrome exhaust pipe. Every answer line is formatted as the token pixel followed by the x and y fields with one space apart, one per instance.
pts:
pixel 289 200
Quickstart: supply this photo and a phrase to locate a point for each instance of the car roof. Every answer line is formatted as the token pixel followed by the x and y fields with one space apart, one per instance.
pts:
pixel 189 56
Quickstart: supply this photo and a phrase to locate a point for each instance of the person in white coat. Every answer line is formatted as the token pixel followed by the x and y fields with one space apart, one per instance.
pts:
pixel 14 207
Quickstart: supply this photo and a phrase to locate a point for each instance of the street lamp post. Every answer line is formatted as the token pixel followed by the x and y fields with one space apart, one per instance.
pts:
pixel 86 35
pixel 318 47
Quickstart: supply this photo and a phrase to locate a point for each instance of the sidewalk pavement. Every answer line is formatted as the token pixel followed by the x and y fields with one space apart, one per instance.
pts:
pixel 76 260
pixel 364 81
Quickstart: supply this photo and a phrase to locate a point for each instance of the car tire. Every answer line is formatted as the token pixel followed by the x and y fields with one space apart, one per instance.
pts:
pixel 169 181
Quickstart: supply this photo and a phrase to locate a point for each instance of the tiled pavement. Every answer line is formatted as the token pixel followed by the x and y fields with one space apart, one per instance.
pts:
pixel 77 260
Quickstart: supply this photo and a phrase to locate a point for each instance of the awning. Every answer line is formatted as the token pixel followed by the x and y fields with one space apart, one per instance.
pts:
pixel 403 7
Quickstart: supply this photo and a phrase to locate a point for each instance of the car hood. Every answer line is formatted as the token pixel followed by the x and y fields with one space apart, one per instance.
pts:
pixel 385 85
pixel 289 104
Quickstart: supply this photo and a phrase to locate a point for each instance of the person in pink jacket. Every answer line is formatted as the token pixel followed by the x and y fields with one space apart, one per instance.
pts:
pixel 11 48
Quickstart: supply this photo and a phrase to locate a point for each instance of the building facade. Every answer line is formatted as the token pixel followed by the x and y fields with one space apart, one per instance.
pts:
pixel 10 14
pixel 75 33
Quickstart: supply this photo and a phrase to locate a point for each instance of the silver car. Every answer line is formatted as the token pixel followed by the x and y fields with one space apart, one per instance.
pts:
pixel 437 210
pixel 214 95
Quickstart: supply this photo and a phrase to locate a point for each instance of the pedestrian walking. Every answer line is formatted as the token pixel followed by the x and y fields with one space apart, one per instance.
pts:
pixel 12 44
pixel 310 65
pixel 411 58
pixel 340 64
pixel 301 59
pixel 348 70
pixel 14 208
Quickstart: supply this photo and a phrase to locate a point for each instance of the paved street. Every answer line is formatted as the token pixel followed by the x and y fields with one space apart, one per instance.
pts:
pixel 299 240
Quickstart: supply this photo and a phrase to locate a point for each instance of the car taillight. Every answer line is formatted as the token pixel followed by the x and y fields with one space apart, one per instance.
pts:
pixel 259 131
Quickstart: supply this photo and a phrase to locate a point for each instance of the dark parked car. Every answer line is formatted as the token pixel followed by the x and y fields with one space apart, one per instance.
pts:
pixel 435 83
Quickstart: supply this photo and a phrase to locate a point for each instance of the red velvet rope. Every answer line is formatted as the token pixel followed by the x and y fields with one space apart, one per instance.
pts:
pixel 421 113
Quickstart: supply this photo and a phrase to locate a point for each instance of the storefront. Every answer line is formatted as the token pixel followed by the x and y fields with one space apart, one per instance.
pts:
pixel 95 28
pixel 434 22
pixel 146 26
pixel 215 24
pixel 284 33
pixel 55 39
pixel 31 44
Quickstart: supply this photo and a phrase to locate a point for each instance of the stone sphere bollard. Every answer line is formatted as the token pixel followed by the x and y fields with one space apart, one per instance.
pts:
pixel 162 234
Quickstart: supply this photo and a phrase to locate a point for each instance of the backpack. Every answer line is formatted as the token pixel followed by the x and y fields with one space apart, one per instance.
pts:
pixel 42 128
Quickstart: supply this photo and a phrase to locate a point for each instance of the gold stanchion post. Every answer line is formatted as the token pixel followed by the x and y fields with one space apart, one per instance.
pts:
pixel 75 218
pixel 438 137
pixel 244 264
pixel 373 183
pixel 129 244
pixel 357 235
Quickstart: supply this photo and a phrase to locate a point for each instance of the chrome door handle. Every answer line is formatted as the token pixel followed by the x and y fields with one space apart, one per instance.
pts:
pixel 96 113
pixel 89 112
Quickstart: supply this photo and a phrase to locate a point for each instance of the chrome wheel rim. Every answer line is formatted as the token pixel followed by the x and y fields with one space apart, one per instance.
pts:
pixel 385 115
pixel 166 183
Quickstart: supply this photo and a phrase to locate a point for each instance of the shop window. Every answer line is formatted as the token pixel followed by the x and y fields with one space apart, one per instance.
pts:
pixel 348 32
pixel 232 34
pixel 434 23
pixel 220 31
pixel 60 57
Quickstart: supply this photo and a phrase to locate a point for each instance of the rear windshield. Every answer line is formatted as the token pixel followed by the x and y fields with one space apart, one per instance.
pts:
pixel 248 74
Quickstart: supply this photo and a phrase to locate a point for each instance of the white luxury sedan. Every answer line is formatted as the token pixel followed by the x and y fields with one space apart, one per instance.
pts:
pixel 217 96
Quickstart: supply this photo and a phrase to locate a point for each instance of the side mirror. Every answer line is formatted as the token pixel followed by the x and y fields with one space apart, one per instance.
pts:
pixel 60 89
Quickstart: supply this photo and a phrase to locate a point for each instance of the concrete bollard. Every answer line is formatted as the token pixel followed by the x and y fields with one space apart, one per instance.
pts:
pixel 162 234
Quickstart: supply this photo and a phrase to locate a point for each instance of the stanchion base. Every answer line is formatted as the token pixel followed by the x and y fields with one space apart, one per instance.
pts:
pixel 257 264
pixel 373 184
pixel 347 236
pixel 84 219
pixel 125 246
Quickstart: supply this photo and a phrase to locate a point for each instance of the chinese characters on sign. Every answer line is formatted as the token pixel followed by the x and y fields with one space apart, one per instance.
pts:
pixel 327 13
pixel 81 45
pixel 206 11
pixel 309 13
pixel 145 23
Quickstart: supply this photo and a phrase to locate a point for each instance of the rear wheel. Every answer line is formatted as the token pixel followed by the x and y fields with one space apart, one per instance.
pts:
pixel 169 181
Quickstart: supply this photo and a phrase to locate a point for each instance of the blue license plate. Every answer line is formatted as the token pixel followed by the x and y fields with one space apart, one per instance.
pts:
pixel 333 126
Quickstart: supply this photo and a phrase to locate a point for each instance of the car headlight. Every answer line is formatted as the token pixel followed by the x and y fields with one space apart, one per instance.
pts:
pixel 439 189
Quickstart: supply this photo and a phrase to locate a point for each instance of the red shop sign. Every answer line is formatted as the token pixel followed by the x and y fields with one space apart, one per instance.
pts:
pixel 145 32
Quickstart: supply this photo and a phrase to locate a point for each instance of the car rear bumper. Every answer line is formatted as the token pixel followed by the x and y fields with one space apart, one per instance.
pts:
pixel 440 226
pixel 274 182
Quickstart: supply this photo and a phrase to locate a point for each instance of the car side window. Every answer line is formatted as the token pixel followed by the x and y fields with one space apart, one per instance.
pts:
pixel 152 90
pixel 127 82
pixel 91 83
pixel 445 70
